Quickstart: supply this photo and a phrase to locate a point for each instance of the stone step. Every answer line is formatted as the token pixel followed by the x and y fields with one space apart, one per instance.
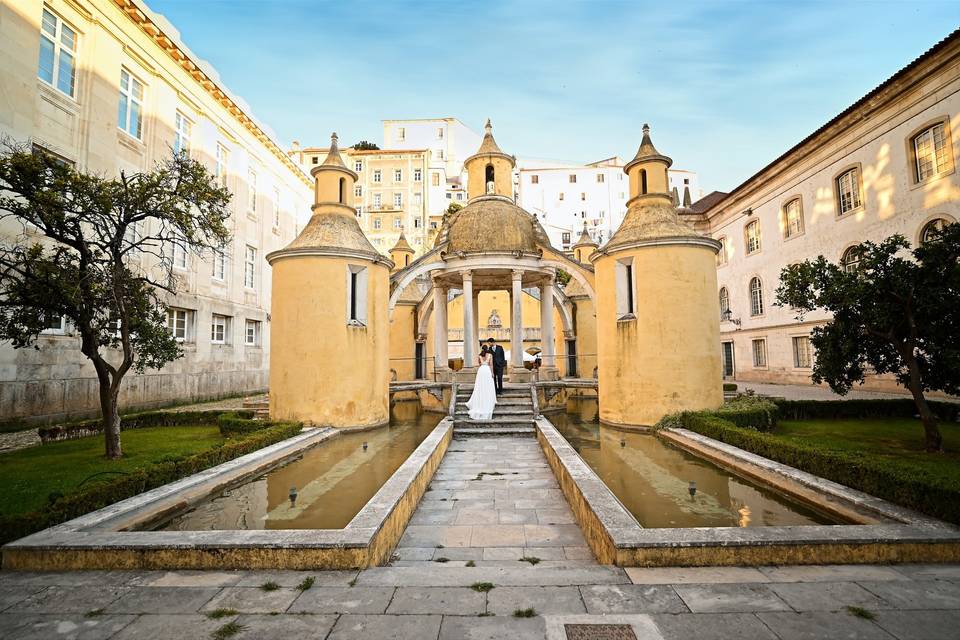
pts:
pixel 496 421
pixel 501 400
pixel 493 432
pixel 520 576
pixel 500 409
pixel 256 404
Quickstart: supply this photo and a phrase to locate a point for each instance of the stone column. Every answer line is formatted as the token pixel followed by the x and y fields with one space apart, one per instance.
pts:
pixel 469 329
pixel 516 321
pixel 476 317
pixel 547 358
pixel 440 357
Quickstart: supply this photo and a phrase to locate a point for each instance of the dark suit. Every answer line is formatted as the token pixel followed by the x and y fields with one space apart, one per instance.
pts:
pixel 499 364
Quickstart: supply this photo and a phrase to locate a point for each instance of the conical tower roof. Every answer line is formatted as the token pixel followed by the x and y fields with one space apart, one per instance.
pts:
pixel 402 244
pixel 333 155
pixel 647 152
pixel 489 146
pixel 585 240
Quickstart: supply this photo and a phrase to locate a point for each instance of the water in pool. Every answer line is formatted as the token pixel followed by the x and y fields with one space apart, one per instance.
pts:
pixel 333 480
pixel 652 479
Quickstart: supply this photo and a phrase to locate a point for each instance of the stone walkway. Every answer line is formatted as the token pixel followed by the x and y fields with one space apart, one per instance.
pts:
pixel 907 602
pixel 817 392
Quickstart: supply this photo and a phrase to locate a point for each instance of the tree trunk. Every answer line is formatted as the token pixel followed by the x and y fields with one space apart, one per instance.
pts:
pixel 931 432
pixel 111 421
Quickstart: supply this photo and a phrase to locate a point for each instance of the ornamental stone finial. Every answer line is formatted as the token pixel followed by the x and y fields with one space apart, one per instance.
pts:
pixel 488 128
pixel 646 129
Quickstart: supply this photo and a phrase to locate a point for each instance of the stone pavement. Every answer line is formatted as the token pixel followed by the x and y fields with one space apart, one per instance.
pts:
pixel 823 392
pixel 906 602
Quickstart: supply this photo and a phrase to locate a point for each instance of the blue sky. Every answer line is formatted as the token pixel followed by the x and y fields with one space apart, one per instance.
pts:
pixel 725 86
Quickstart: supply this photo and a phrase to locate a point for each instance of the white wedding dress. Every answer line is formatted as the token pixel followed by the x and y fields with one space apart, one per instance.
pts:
pixel 484 396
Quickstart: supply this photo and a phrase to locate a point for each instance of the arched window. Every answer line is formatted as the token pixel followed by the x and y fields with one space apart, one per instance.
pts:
pixel 931 229
pixel 724 300
pixel 343 190
pixel 643 180
pixel 752 236
pixel 488 179
pixel 931 152
pixel 722 254
pixel 848 191
pixel 792 218
pixel 756 297
pixel 850 261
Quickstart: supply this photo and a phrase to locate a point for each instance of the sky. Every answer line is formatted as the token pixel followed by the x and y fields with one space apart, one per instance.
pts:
pixel 725 86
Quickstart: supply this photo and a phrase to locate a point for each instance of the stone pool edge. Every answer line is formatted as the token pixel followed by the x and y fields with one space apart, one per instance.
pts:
pixel 617 538
pixel 86 543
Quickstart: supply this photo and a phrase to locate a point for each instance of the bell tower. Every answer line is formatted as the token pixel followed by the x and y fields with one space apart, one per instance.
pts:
pixel 489 170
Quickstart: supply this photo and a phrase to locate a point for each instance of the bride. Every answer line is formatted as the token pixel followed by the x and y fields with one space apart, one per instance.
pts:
pixel 484 396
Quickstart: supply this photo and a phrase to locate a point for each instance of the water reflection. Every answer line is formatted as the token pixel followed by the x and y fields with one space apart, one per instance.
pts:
pixel 333 481
pixel 654 480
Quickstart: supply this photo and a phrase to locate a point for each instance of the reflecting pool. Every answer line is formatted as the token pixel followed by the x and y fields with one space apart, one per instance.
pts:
pixel 652 479
pixel 333 481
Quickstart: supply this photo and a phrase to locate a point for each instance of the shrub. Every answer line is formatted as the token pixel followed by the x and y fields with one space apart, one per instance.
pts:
pixel 912 488
pixel 134 421
pixel 729 386
pixel 838 409
pixel 745 411
pixel 232 424
pixel 115 488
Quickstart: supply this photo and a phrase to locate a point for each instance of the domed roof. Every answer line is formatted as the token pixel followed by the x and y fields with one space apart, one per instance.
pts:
pixel 491 223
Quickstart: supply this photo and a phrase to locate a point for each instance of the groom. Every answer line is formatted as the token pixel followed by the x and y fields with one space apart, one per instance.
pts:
pixel 499 363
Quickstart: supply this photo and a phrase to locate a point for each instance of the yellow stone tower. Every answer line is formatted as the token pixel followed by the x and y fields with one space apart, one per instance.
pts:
pixel 329 325
pixel 658 318
pixel 489 170
pixel 584 247
pixel 402 253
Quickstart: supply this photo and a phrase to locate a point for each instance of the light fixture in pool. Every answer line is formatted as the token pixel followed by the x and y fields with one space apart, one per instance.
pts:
pixel 293 496
pixel 692 488
pixel 364 446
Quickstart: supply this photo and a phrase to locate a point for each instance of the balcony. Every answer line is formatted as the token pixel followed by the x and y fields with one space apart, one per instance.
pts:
pixel 530 334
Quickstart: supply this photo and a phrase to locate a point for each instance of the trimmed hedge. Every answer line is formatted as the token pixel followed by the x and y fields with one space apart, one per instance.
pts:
pixel 97 496
pixel 912 488
pixel 729 386
pixel 147 419
pixel 232 424
pixel 745 411
pixel 838 409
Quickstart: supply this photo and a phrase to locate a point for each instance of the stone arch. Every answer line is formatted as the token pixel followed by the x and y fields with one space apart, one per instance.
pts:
pixel 425 310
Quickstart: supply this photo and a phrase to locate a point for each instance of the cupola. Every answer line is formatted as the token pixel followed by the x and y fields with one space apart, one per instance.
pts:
pixel 489 170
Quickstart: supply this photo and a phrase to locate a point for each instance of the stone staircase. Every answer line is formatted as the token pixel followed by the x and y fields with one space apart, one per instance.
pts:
pixel 260 406
pixel 513 416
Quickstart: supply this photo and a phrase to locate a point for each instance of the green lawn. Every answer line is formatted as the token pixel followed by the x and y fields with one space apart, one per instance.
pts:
pixel 28 476
pixel 898 441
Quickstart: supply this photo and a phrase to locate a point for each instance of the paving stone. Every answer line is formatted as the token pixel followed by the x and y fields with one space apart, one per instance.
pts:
pixel 294 578
pixel 503 601
pixel 163 599
pixel 431 536
pixel 188 579
pixel 65 627
pixel 498 535
pixel 167 626
pixel 361 627
pixel 414 553
pixel 493 628
pixel 930 571
pixel 60 600
pixel 555 516
pixel 459 601
pixel 253 599
pixel 422 517
pixel 826 596
pixel 70 578
pixel 558 535
pixel 831 573
pixel 517 516
pixel 915 594
pixel 343 600
pixel 522 575
pixel 477 516
pixel 817 625
pixel 712 626
pixel 729 598
pixel 459 553
pixel 300 627
pixel 694 575
pixel 578 553
pixel 920 625
pixel 10 595
pixel 632 598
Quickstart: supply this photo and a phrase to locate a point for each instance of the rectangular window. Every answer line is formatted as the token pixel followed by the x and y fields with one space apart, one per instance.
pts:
pixel 357 166
pixel 358 191
pixel 416 223
pixel 440 154
pixel 219 329
pixel 417 175
pixel 417 200
pixel 459 196
pixel 440 133
pixel 848 191
pixel 565 237
pixel 220 265
pixel 801 352
pixel 753 237
pixel 792 219
pixel 401 134
pixel 722 254
pixel 250 268
pixel 931 152
pixel 130 111
pixel 183 127
pixel 435 179
pixel 534 179
pixel 583 196
pixel 600 177
pixel 624 288
pixel 561 195
pixel 252 191
pixel 377 200
pixel 180 324
pixel 398 175
pixel 759 353
pixel 356 295
pixel 223 159
pixel 55 325
pixel 276 207
pixel 573 178
pixel 179 252
pixel 397 223
pixel 376 175
pixel 377 223
pixel 58 49
pixel 252 333
pixel 398 200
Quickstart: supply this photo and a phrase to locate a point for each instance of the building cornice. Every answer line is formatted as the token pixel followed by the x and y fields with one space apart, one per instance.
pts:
pixel 184 60
pixel 329 252
pixel 697 241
